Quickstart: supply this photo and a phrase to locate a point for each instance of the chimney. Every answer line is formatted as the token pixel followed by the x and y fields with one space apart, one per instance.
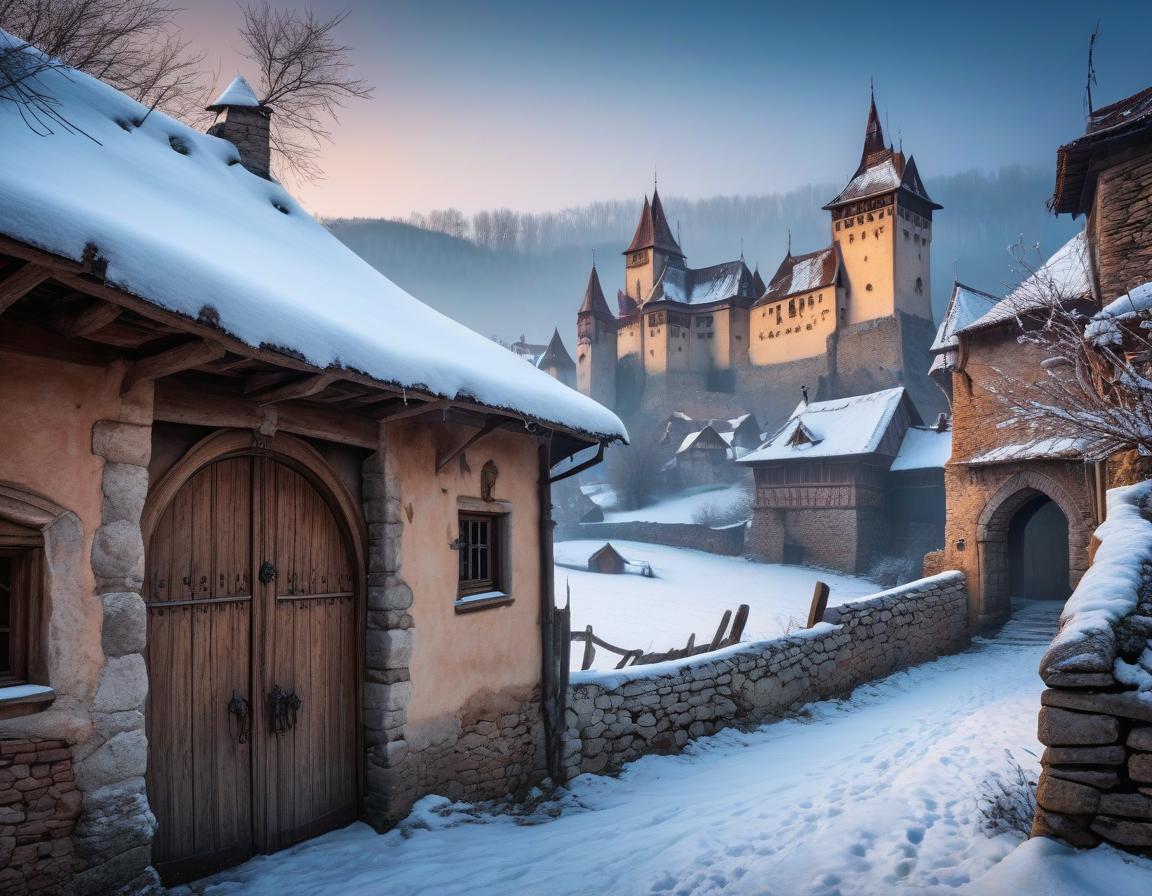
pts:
pixel 244 121
pixel 804 392
pixel 941 423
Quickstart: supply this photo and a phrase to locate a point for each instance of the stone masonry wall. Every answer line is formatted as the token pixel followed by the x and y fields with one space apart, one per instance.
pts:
pixel 615 717
pixel 1121 225
pixel 1096 715
pixel 847 539
pixel 39 804
pixel 728 540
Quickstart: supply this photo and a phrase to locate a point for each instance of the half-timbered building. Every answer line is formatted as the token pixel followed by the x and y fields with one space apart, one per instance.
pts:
pixel 274 536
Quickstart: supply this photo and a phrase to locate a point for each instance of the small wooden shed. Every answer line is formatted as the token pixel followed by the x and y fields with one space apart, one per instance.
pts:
pixel 607 560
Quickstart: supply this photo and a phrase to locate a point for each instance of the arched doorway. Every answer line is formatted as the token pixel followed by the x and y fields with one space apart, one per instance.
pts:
pixel 1038 551
pixel 252 586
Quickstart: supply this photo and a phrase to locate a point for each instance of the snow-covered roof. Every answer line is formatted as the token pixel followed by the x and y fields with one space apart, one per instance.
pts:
pixel 923 448
pixel 1051 448
pixel 704 436
pixel 803 273
pixel 836 428
pixel 1105 326
pixel 238 93
pixel 1064 277
pixel 700 286
pixel 185 227
pixel 965 306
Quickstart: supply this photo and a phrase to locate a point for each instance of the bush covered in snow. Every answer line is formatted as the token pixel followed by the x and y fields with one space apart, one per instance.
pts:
pixel 1008 800
pixel 729 512
pixel 893 570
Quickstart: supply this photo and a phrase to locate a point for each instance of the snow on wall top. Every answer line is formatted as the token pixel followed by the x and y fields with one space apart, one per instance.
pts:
pixel 238 93
pixel 187 228
pixel 1064 276
pixel 840 427
pixel 1050 448
pixel 1105 328
pixel 923 448
pixel 965 306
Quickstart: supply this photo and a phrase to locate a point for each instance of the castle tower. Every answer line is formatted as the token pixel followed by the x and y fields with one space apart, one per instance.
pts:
pixel 596 345
pixel 651 249
pixel 882 224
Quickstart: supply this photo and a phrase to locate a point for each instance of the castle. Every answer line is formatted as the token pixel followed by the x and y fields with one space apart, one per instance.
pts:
pixel 847 319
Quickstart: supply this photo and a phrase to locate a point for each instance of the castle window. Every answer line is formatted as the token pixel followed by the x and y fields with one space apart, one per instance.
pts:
pixel 811 301
pixel 871 217
pixel 851 237
pixel 791 307
pixel 919 285
pixel 880 214
pixel 905 233
pixel 863 234
pixel 837 225
pixel 868 287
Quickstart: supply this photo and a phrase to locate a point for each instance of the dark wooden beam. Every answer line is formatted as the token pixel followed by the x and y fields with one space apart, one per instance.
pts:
pixel 300 388
pixel 87 320
pixel 21 282
pixel 407 411
pixel 490 424
pixel 202 403
pixel 165 363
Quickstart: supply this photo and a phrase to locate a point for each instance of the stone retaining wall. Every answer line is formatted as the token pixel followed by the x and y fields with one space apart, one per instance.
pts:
pixel 728 541
pixel 1096 715
pixel 615 717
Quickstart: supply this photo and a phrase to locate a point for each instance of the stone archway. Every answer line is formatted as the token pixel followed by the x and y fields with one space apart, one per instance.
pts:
pixel 1021 492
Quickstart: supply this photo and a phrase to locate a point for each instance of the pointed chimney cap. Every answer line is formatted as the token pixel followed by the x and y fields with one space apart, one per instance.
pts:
pixel 238 93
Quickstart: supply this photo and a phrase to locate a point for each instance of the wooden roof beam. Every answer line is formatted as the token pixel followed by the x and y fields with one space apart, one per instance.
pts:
pixel 21 282
pixel 165 363
pixel 407 411
pixel 298 388
pixel 489 425
pixel 94 317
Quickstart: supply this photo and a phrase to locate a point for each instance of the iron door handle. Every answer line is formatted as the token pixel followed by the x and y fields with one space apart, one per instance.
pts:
pixel 283 707
pixel 267 572
pixel 240 708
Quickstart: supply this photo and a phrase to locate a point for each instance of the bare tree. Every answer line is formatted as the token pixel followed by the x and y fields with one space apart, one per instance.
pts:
pixel 633 471
pixel 131 44
pixel 1093 388
pixel 304 77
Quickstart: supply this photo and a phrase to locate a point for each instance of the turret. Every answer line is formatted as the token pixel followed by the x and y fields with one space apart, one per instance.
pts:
pixel 596 345
pixel 652 247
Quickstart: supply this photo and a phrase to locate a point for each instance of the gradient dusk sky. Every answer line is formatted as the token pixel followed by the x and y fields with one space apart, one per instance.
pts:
pixel 537 105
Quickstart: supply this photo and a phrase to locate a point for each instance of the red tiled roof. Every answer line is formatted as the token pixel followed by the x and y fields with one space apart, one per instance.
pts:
pixel 653 229
pixel 803 273
pixel 594 301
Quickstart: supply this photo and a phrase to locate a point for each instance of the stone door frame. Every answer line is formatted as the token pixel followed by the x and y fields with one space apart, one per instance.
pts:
pixel 993 600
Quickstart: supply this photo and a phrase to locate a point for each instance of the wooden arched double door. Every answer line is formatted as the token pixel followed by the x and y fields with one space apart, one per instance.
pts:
pixel 251 593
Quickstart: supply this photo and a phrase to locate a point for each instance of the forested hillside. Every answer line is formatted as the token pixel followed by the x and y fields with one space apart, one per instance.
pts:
pixel 509 274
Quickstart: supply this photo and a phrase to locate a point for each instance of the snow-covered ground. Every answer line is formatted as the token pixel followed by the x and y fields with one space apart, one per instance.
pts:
pixel 681 508
pixel 870 796
pixel 689 593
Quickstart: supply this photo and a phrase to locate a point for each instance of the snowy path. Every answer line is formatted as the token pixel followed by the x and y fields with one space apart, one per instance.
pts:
pixel 874 795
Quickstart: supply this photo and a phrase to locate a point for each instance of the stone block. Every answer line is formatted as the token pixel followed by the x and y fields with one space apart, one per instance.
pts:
pixel 1134 805
pixel 1140 767
pixel 123 684
pixel 380 698
pixel 116 760
pixel 122 443
pixel 1100 779
pixel 1109 755
pixel 393 594
pixel 125 488
pixel 1059 727
pixel 389 649
pixel 118 551
pixel 1140 739
pixel 1126 705
pixel 1061 827
pixel 1067 797
pixel 125 628
pixel 1123 831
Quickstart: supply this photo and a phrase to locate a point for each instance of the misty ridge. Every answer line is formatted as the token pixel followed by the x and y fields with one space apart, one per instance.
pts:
pixel 507 274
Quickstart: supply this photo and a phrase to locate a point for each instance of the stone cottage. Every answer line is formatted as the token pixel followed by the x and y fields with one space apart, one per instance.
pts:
pixel 844 482
pixel 275 537
pixel 1022 505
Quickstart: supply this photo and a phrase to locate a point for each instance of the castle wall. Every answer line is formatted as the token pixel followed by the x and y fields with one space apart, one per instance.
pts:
pixel 867 248
pixel 912 234
pixel 793 328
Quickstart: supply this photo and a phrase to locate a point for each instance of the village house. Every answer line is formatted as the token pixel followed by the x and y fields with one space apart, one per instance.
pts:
pixel 848 481
pixel 275 537
pixel 847 319
pixel 1022 504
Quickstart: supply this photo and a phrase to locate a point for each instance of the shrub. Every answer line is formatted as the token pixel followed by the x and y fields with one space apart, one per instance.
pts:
pixel 1008 800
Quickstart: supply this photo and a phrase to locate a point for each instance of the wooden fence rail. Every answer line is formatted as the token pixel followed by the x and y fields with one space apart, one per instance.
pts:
pixel 635 657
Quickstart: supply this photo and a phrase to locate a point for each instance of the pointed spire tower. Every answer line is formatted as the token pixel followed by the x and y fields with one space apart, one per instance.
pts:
pixel 557 363
pixel 596 341
pixel 652 248
pixel 882 225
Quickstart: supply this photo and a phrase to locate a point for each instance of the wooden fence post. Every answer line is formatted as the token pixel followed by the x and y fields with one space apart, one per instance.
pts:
pixel 819 604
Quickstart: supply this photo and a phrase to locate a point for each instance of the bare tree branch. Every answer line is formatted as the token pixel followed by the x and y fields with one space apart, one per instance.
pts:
pixel 304 77
pixel 131 44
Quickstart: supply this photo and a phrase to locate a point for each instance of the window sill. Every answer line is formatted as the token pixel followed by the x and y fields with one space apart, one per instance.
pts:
pixel 485 600
pixel 24 699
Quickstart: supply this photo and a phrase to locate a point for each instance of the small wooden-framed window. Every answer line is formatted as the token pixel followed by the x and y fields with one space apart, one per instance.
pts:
pixel 21 601
pixel 480 553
